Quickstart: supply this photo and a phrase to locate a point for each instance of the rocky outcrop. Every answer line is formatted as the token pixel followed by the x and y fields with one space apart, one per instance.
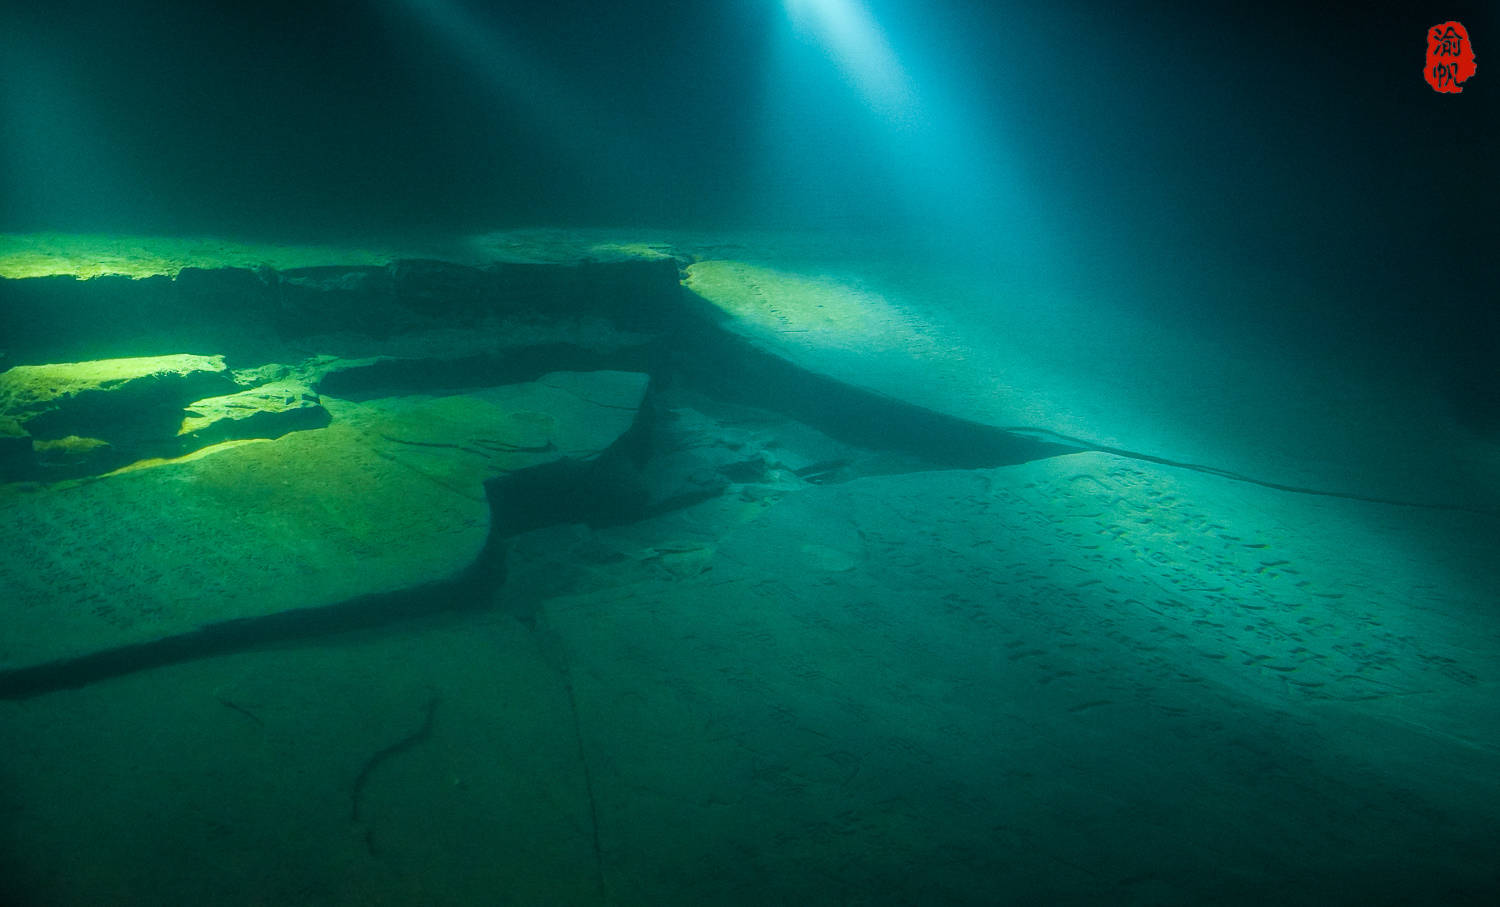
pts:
pixel 390 497
pixel 268 411
pixel 260 314
pixel 90 416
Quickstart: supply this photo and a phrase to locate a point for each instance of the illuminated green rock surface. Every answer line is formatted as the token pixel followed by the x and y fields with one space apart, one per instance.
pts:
pixel 47 393
pixel 388 497
pixel 84 417
pixel 266 411
pixel 86 256
pixel 67 298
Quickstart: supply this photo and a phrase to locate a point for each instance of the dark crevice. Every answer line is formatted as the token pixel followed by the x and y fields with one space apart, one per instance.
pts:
pixel 242 634
pixel 1080 445
pixel 563 491
pixel 357 790
pixel 552 647
pixel 393 376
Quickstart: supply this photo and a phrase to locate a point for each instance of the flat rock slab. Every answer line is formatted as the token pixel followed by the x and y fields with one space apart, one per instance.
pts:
pixel 102 413
pixel 1289 599
pixel 962 341
pixel 388 497
pixel 108 395
pixel 987 669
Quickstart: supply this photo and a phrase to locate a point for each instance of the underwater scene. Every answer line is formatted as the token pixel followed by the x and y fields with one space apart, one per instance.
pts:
pixel 749 452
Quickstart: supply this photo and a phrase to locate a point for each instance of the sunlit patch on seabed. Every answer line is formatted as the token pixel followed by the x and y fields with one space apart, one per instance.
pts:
pixel 813 311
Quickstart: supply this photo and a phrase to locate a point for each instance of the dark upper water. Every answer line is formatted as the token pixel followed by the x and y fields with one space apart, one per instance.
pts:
pixel 1197 145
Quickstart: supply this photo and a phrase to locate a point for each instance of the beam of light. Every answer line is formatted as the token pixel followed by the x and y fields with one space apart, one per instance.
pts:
pixel 57 164
pixel 854 40
pixel 527 87
pixel 878 126
pixel 503 65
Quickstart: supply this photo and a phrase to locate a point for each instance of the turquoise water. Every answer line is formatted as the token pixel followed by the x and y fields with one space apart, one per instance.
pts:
pixel 982 457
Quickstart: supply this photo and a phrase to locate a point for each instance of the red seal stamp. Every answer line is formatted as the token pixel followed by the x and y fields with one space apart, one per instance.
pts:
pixel 1450 57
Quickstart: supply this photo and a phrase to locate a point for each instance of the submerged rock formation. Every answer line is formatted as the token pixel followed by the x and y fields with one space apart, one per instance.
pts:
pixel 89 416
pixel 267 411
pixel 388 498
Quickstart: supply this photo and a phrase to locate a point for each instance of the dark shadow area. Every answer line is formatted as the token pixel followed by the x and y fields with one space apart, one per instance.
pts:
pixel 388 377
